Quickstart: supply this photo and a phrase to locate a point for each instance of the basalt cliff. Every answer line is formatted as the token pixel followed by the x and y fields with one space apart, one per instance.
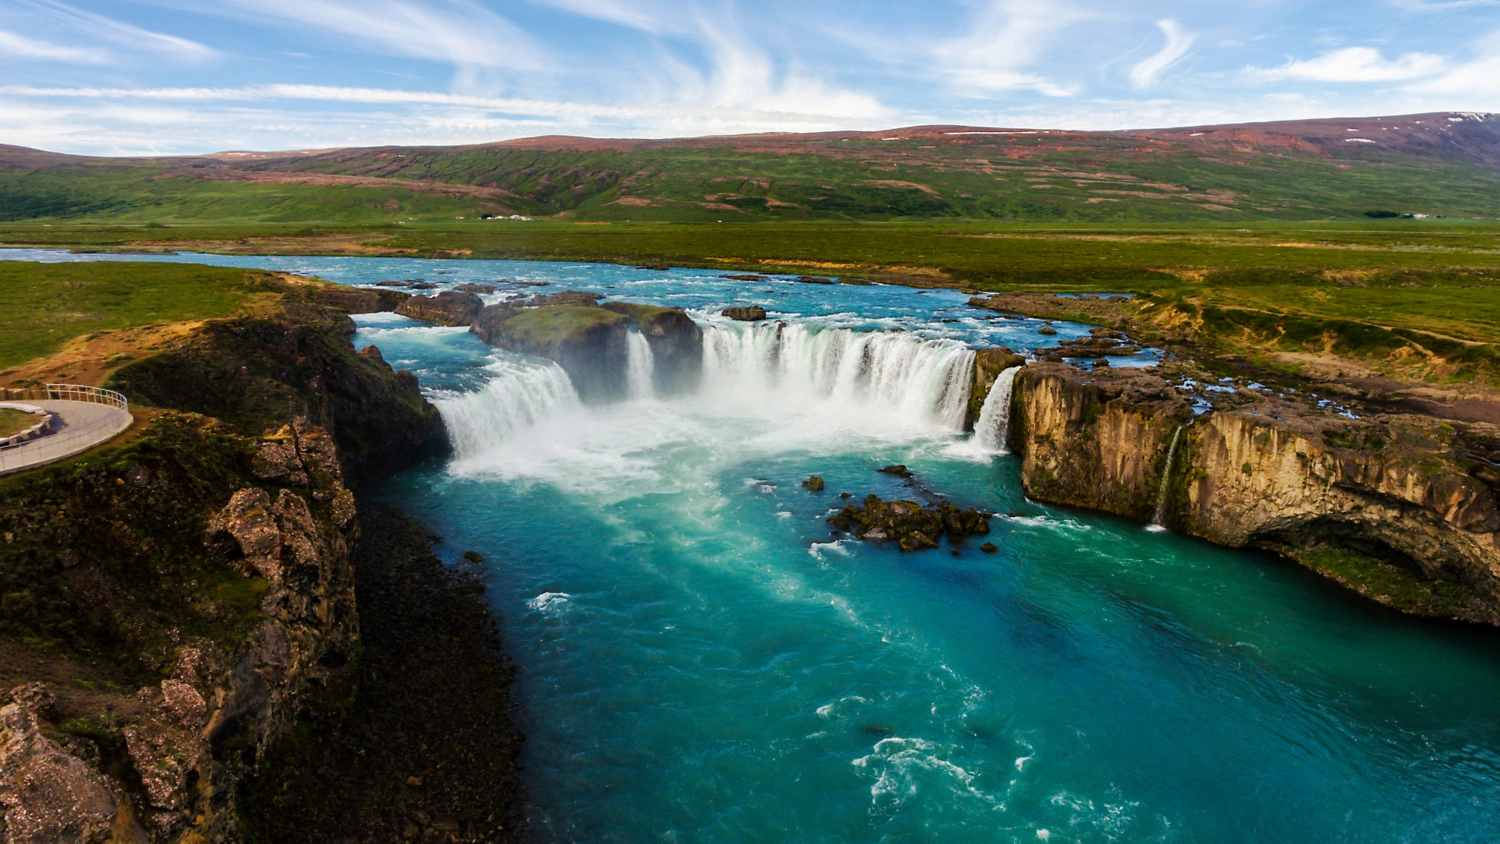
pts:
pixel 171 605
pixel 1400 507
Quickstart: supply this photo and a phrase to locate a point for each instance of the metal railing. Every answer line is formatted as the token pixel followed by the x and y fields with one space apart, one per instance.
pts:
pixel 66 439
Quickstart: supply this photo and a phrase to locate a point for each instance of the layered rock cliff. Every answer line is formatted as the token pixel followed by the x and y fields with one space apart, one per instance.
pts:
pixel 1394 506
pixel 187 594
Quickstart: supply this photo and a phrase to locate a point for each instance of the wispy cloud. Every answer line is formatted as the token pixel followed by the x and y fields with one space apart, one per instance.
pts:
pixel 61 17
pixel 19 46
pixel 1357 64
pixel 457 31
pixel 1148 73
pixel 1004 39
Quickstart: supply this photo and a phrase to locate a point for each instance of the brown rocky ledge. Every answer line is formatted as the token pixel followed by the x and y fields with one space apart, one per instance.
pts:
pixel 1398 507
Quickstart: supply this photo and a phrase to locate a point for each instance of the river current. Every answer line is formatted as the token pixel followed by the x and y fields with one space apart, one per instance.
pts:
pixel 702 661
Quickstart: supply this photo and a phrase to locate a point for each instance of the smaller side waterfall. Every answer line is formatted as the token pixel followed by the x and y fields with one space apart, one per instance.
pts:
pixel 993 428
pixel 640 367
pixel 1166 482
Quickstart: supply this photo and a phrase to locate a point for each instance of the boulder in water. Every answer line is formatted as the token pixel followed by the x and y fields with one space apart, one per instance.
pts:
pixel 814 484
pixel 897 469
pixel 989 548
pixel 476 287
pixel 1047 331
pixel 914 527
pixel 755 313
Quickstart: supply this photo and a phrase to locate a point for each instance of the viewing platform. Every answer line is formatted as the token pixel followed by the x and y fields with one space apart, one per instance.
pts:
pixel 71 419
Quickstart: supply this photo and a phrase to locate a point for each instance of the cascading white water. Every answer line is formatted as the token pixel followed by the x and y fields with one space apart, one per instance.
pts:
pixel 640 366
pixel 993 427
pixel 1166 480
pixel 926 379
pixel 522 394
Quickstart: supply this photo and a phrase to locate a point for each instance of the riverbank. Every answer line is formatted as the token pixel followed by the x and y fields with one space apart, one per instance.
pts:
pixel 175 605
pixel 426 750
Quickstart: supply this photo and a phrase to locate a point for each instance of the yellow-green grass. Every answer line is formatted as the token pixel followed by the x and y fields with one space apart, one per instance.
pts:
pixel 14 421
pixel 42 306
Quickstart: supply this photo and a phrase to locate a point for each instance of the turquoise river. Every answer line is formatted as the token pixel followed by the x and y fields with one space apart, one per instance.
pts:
pixel 701 661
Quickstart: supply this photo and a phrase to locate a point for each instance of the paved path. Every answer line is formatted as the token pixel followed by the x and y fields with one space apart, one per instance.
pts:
pixel 78 427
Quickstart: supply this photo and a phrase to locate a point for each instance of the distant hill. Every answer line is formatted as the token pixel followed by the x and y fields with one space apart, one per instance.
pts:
pixel 1445 164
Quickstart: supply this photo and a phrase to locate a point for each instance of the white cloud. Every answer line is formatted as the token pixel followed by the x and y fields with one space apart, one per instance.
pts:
pixel 456 31
pixel 19 46
pixel 1005 37
pixel 1148 73
pixel 126 36
pixel 1357 64
pixel 1476 79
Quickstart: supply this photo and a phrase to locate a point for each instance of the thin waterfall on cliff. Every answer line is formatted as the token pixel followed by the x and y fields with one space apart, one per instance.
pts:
pixel 639 366
pixel 1166 482
pixel 993 428
pixel 918 378
pixel 521 394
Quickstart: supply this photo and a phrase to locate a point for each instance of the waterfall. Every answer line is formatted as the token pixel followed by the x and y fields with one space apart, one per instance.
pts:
pixel 918 378
pixel 522 394
pixel 1166 481
pixel 993 428
pixel 640 367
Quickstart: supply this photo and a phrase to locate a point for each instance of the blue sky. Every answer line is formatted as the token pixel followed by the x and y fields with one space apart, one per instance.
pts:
pixel 178 76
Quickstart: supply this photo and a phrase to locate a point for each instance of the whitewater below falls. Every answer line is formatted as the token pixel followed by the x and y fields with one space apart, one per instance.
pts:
pixel 701 661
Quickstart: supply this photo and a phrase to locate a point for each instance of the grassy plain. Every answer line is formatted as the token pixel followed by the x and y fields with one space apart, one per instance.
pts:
pixel 42 306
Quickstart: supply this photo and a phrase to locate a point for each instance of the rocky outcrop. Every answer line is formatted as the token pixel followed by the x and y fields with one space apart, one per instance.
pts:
pixel 1391 506
pixel 754 313
pixel 676 345
pixel 910 525
pixel 257 373
pixel 988 364
pixel 208 566
pixel 48 795
pixel 453 308
pixel 589 341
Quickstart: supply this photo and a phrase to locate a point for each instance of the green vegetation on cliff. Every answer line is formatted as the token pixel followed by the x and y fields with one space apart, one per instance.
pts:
pixel 43 306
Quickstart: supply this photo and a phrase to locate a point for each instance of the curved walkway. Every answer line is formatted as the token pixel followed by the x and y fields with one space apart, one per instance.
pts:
pixel 77 426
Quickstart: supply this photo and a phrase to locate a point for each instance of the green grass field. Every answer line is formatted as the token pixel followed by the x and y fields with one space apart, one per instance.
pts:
pixel 42 306
pixel 14 421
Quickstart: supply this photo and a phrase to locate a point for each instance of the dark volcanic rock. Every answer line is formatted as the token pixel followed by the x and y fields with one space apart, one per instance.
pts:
pixel 814 484
pixel 587 341
pixel 358 300
pixel 256 372
pixel 427 743
pixel 676 345
pixel 909 524
pixel 754 313
pixel 476 287
pixel 898 469
pixel 447 308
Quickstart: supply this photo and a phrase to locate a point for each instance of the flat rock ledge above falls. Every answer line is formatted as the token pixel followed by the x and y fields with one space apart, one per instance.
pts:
pixel 589 341
pixel 1398 507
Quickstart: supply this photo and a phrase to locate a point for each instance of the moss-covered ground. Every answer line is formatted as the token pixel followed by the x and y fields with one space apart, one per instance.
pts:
pixel 540 327
pixel 1391 584
pixel 42 306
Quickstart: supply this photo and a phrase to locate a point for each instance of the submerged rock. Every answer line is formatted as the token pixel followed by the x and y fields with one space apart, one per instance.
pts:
pixel 897 469
pixel 912 526
pixel 755 313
